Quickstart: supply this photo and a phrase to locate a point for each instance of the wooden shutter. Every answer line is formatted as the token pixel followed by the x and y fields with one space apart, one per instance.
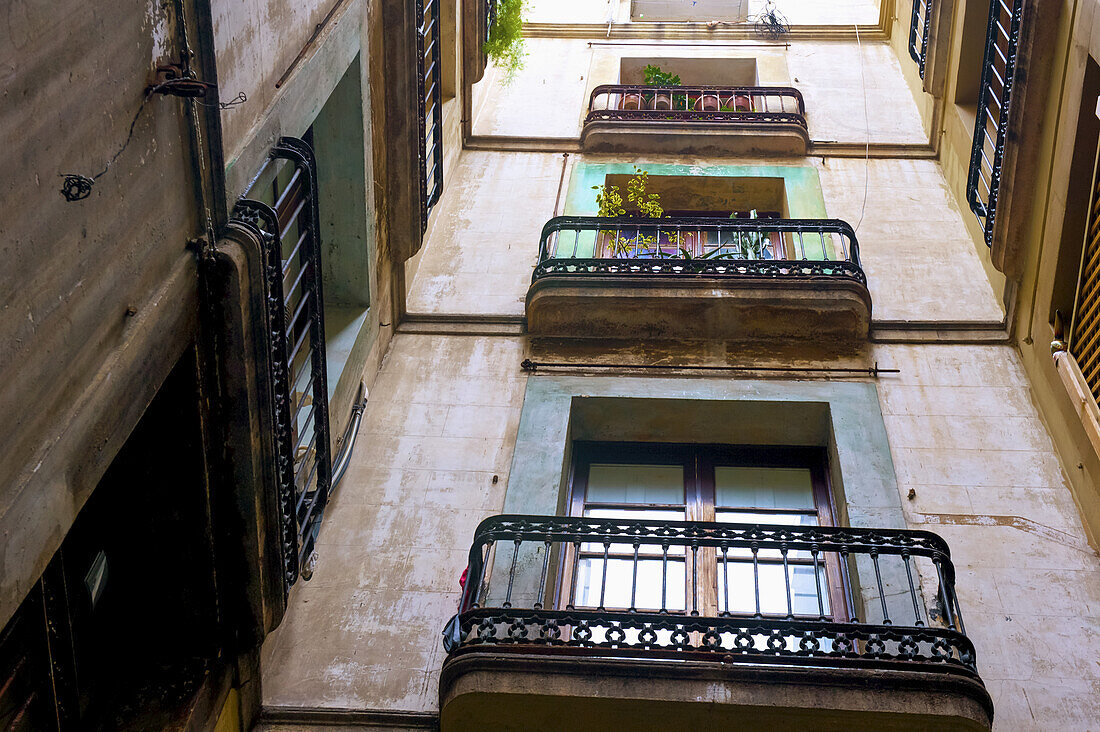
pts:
pixel 1085 333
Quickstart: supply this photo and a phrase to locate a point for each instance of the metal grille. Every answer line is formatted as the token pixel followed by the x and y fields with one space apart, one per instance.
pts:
pixel 918 33
pixel 686 247
pixel 295 315
pixel 994 106
pixel 429 106
pixel 731 104
pixel 524 573
pixel 1084 341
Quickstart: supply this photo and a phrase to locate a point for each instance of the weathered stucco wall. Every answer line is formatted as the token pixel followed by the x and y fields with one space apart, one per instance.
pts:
pixel 257 42
pixel 962 439
pixel 549 97
pixel 98 295
pixel 914 242
pixel 963 434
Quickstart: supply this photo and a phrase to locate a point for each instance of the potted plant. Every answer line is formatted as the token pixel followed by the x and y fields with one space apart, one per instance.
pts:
pixel 637 240
pixel 708 102
pixel 663 99
pixel 631 100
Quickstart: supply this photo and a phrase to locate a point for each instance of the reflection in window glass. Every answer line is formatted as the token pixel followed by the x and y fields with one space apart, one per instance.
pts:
pixel 773 590
pixel 620 580
pixel 654 484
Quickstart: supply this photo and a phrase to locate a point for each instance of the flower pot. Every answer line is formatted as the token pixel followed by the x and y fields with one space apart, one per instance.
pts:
pixel 662 101
pixel 742 103
pixel 707 103
pixel 631 101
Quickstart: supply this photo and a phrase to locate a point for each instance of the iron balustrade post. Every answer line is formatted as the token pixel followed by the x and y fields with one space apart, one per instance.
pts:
pixel 817 586
pixel 917 620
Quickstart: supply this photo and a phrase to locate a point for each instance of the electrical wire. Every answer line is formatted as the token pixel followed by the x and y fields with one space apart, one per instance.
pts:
pixel 866 133
pixel 77 187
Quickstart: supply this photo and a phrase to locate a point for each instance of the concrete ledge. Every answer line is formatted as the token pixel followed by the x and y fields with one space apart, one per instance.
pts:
pixel 695 138
pixel 835 313
pixel 488 691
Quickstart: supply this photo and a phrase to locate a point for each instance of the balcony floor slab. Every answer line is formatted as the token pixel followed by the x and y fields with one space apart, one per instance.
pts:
pixel 488 691
pixel 694 138
pixel 836 313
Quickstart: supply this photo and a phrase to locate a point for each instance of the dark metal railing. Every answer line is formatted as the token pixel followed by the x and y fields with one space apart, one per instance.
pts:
pixel 919 26
pixel 490 18
pixel 730 104
pixel 290 230
pixel 713 247
pixel 735 592
pixel 994 105
pixel 429 106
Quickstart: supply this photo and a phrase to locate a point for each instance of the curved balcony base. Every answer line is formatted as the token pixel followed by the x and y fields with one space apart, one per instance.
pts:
pixel 694 138
pixel 490 691
pixel 834 314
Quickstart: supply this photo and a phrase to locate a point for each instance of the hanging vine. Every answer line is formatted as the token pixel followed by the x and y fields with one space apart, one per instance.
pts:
pixel 505 46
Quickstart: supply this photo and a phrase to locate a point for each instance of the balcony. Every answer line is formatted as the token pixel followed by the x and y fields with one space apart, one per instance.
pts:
pixel 747 280
pixel 567 623
pixel 747 120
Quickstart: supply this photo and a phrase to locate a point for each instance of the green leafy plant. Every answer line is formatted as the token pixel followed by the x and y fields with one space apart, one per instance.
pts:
pixel 654 76
pixel 752 243
pixel 649 204
pixel 609 203
pixel 712 254
pixel 505 45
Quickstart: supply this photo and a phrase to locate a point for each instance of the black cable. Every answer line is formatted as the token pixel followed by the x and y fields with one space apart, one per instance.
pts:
pixel 77 187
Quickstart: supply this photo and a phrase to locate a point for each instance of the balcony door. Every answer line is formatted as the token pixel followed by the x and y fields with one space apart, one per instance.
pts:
pixel 709 483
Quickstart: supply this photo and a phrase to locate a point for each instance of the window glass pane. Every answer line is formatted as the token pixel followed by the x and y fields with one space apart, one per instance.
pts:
pixel 744 487
pixel 783 519
pixel 756 517
pixel 773 590
pixel 620 579
pixel 616 483
pixel 634 513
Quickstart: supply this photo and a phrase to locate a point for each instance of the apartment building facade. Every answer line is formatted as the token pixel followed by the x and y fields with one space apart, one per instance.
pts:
pixel 721 367
pixel 577 409
pixel 199 280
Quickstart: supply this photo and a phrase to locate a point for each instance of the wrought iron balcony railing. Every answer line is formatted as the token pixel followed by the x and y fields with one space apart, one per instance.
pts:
pixel 919 28
pixel 710 247
pixel 714 104
pixel 822 596
pixel 987 158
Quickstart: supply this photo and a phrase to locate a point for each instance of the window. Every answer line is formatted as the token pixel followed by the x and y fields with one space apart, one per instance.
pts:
pixel 286 207
pixel 429 106
pixel 998 73
pixel 1084 342
pixel 711 483
pixel 918 33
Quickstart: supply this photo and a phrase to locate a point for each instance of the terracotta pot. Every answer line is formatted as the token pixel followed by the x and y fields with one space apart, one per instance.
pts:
pixel 742 103
pixel 631 101
pixel 662 101
pixel 707 103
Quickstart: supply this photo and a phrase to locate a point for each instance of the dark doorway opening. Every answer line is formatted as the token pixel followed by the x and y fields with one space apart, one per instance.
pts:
pixel 124 622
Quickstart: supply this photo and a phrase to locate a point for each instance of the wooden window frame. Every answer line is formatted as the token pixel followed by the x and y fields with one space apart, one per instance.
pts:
pixel 699 461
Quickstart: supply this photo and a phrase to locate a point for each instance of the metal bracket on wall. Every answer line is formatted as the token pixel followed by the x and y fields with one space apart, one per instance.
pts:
pixel 875 371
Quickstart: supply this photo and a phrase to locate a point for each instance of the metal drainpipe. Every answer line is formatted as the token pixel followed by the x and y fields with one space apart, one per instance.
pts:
pixel 204 127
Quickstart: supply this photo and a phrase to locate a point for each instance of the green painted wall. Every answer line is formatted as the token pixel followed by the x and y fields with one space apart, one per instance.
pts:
pixel 843 417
